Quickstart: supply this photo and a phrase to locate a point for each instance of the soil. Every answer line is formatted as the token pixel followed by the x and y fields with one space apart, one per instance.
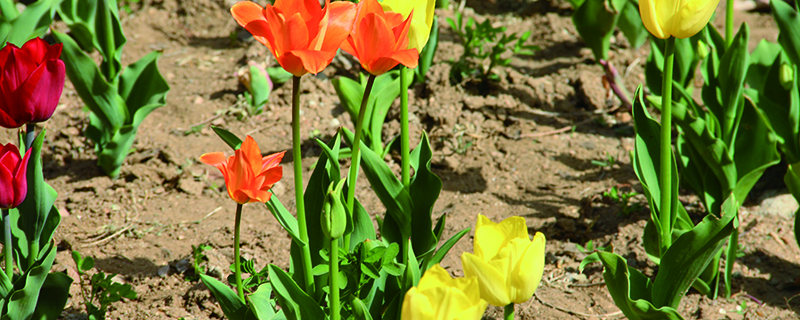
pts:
pixel 511 152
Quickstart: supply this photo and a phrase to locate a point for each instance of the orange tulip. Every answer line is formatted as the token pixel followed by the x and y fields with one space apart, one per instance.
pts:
pixel 380 39
pixel 301 35
pixel 248 176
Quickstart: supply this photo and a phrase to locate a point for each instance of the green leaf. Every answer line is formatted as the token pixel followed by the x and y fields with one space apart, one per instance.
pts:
pixel 22 301
pixel 233 307
pixel 444 249
pixel 788 22
pixel 30 23
pixel 732 73
pixel 285 218
pixel 294 302
pixel 228 137
pixel 387 187
pixel 143 87
pixel 261 303
pixel 93 88
pixel 630 290
pixel 260 88
pixel 325 171
pixel 758 149
pixel 53 296
pixel 426 56
pixel 424 191
pixel 762 60
pixel 691 253
pixel 595 21
pixel 631 24
pixel 38 205
pixel 279 75
pixel 360 311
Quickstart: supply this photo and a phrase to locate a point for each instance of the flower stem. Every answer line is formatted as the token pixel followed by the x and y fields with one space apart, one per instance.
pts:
pixel 33 246
pixel 7 245
pixel 356 156
pixel 728 23
pixel 665 216
pixel 404 143
pixel 298 185
pixel 30 134
pixel 237 263
pixel 508 312
pixel 334 279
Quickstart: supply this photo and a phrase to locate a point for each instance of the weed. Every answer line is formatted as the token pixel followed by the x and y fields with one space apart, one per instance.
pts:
pixel 609 162
pixel 198 257
pixel 104 290
pixel 623 200
pixel 482 41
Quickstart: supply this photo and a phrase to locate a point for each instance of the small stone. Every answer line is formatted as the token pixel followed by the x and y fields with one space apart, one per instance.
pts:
pixel 163 271
pixel 198 100
pixel 190 186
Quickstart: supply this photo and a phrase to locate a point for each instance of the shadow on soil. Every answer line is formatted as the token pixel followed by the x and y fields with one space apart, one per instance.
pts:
pixel 137 267
pixel 775 291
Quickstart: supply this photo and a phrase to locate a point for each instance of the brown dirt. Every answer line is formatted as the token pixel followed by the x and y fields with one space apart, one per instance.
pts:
pixel 145 221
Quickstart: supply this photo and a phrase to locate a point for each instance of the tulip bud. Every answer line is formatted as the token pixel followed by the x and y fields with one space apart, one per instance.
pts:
pixel 786 76
pixel 334 219
pixel 681 19
pixel 702 50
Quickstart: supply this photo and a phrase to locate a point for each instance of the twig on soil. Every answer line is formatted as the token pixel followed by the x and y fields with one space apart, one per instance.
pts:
pixel 546 133
pixel 201 122
pixel 208 215
pixel 586 285
pixel 258 129
pixel 575 313
pixel 777 239
pixel 109 237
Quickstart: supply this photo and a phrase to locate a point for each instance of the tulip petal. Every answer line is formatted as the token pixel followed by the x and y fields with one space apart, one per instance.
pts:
pixel 214 158
pixel 256 195
pixel 19 67
pixel 340 24
pixel 251 154
pixel 692 17
pixel 53 52
pixel 292 64
pixel 408 58
pixel 36 49
pixel 416 306
pixel 527 273
pixel 492 281
pixel 647 9
pixel 6 188
pixel 272 160
pixel 20 180
pixel 349 46
pixel 314 61
pixel 270 177
pixel 4 52
pixel 250 16
pixel 6 121
pixel 308 9
pixel 39 94
pixel 488 238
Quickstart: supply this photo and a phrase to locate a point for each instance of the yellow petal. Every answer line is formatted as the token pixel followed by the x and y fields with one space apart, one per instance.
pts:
pixel 693 17
pixel 488 238
pixel 528 268
pixel 416 306
pixel 421 22
pixel 650 18
pixel 435 276
pixel 473 313
pixel 491 280
pixel 514 227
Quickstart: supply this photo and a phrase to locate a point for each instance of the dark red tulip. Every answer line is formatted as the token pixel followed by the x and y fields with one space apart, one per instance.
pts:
pixel 13 181
pixel 32 81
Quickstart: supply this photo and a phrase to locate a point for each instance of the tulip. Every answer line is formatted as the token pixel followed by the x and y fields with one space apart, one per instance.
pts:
pixel 13 181
pixel 302 36
pixel 421 23
pixel 507 263
pixel 32 81
pixel 248 176
pixel 440 297
pixel 380 39
pixel 678 18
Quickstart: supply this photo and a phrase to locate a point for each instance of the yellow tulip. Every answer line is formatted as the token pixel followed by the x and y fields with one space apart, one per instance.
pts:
pixel 678 18
pixel 421 22
pixel 440 297
pixel 507 263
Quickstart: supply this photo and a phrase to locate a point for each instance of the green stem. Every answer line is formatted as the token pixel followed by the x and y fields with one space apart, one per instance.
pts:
pixel 508 312
pixel 665 216
pixel 404 143
pixel 8 9
pixel 33 246
pixel 7 245
pixel 237 263
pixel 730 260
pixel 30 134
pixel 356 156
pixel 334 279
pixel 728 23
pixel 298 185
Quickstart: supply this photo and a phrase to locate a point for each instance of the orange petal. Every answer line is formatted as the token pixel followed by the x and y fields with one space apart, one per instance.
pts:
pixel 271 176
pixel 349 46
pixel 251 16
pixel 292 64
pixel 341 16
pixel 251 154
pixel 373 39
pixel 239 196
pixel 408 57
pixel 401 33
pixel 308 9
pixel 213 158
pixel 272 160
pixel 314 61
pixel 277 26
pixel 257 195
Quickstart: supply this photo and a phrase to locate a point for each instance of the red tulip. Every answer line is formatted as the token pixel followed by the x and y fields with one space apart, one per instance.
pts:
pixel 32 81
pixel 13 181
pixel 380 39
pixel 301 35
pixel 248 176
